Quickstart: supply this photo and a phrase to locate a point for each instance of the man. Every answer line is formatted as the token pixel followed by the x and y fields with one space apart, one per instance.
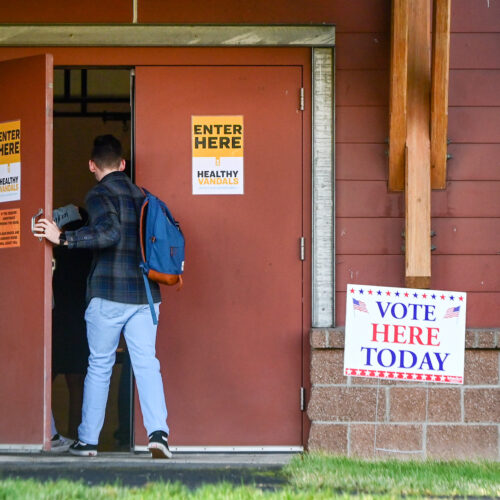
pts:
pixel 116 299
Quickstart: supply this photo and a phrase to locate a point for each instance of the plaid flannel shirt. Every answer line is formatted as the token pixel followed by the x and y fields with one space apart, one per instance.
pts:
pixel 113 234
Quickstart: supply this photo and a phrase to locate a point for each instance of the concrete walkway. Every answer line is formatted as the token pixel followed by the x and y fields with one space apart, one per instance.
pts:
pixel 193 470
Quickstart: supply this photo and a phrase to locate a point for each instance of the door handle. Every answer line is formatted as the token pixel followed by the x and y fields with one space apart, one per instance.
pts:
pixel 33 221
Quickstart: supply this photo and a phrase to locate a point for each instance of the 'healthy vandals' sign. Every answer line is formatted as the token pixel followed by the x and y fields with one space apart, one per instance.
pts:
pixel 217 154
pixel 10 161
pixel 405 334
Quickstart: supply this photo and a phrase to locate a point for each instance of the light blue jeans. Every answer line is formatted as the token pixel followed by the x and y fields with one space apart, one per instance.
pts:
pixel 105 321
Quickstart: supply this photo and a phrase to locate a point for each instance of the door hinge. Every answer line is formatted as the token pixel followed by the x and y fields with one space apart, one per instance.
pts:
pixel 302 248
pixel 302 399
pixel 301 99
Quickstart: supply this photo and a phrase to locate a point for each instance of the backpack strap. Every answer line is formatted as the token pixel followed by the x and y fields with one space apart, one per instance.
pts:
pixel 150 298
pixel 141 226
pixel 143 253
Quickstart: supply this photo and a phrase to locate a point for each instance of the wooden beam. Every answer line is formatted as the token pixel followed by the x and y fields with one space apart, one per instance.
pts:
pixel 166 35
pixel 397 98
pixel 439 91
pixel 417 172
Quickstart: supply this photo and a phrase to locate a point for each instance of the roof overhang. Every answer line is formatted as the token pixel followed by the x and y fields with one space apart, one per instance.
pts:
pixel 151 35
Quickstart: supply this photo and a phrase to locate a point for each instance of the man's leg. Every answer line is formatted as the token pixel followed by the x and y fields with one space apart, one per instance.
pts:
pixel 105 320
pixel 140 334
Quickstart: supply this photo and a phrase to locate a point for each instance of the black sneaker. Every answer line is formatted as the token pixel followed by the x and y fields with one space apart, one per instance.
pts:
pixel 158 445
pixel 83 449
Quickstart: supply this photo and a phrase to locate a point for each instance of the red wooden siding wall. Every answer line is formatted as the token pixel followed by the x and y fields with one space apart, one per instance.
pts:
pixel 351 12
pixel 57 11
pixel 466 216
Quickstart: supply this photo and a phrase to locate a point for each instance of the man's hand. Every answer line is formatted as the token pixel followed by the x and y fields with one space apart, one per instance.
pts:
pixel 47 229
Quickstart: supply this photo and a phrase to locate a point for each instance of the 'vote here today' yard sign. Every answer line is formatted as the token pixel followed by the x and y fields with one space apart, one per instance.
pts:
pixel 405 334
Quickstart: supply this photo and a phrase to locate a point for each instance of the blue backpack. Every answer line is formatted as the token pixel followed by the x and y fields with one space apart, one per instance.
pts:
pixel 162 246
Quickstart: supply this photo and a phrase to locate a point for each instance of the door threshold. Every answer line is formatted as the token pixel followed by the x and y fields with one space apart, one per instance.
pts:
pixel 229 449
pixel 20 448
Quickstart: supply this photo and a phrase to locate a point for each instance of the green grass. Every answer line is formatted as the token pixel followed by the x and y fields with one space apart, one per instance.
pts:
pixel 66 490
pixel 310 477
pixel 391 477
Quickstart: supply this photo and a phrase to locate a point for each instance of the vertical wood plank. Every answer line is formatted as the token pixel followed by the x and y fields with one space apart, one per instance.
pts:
pixel 323 220
pixel 398 94
pixel 417 172
pixel 439 91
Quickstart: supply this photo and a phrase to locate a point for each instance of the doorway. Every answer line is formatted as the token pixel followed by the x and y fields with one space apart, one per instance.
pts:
pixel 231 343
pixel 87 102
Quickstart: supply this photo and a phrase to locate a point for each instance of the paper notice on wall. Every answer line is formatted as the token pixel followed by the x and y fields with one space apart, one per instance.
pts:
pixel 405 334
pixel 10 228
pixel 217 143
pixel 10 161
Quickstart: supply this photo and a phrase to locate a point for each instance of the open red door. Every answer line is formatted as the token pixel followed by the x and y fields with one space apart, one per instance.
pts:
pixel 25 262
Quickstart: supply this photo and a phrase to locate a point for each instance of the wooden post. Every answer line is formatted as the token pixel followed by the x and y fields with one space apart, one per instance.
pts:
pixel 439 93
pixel 397 98
pixel 417 174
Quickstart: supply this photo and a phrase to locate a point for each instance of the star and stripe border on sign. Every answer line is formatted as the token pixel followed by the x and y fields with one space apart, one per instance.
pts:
pixel 457 298
pixel 392 375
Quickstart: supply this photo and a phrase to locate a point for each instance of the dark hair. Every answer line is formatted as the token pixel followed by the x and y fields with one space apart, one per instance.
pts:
pixel 107 151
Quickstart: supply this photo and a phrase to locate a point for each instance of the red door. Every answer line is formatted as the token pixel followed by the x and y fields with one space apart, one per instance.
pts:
pixel 230 342
pixel 25 262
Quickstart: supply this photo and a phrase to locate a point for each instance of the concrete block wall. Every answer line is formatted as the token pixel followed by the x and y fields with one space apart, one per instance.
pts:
pixel 357 416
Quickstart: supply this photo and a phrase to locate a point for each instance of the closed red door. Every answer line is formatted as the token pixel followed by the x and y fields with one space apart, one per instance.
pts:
pixel 230 342
pixel 25 272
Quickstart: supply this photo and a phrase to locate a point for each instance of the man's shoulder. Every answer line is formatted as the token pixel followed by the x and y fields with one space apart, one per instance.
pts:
pixel 120 181
pixel 116 185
